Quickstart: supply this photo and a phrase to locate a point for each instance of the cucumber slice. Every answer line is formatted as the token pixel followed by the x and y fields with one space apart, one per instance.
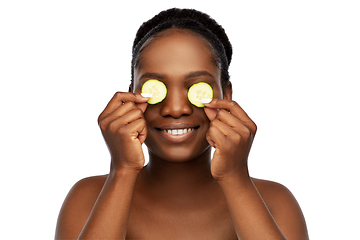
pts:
pixel 156 88
pixel 199 91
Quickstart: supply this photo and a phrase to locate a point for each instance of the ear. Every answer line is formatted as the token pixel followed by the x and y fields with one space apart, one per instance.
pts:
pixel 130 87
pixel 228 91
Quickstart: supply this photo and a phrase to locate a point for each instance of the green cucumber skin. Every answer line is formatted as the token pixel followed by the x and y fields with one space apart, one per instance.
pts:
pixel 203 86
pixel 162 88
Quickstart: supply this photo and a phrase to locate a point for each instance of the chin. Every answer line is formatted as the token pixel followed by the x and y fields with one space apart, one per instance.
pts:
pixel 179 154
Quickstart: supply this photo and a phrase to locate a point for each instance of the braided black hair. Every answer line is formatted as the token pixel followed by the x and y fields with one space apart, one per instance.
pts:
pixel 188 19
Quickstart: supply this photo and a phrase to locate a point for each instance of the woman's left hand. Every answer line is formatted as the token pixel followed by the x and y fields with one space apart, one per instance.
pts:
pixel 231 133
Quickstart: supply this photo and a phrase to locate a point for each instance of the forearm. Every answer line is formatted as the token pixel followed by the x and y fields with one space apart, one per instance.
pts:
pixel 250 215
pixel 109 216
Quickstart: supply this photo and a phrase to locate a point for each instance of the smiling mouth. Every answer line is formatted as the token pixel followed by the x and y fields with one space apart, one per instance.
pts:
pixel 179 131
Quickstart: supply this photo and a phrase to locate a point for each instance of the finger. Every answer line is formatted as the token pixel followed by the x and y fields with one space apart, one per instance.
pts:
pixel 135 130
pixel 119 99
pixel 215 136
pixel 245 129
pixel 142 106
pixel 122 112
pixel 125 119
pixel 234 109
pixel 225 129
pixel 141 129
pixel 210 141
pixel 228 105
pixel 210 113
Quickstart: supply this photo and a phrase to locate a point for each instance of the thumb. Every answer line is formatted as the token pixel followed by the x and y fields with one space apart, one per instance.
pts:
pixel 142 106
pixel 210 113
pixel 141 101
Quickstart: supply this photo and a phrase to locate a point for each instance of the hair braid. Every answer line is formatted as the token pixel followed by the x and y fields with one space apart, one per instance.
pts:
pixel 176 13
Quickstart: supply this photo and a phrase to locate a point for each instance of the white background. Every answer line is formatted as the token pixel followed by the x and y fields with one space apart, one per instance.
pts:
pixel 295 70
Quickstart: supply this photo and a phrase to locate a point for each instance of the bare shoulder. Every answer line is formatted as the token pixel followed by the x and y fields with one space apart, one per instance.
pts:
pixel 284 208
pixel 86 190
pixel 275 195
pixel 77 206
pixel 269 189
pixel 90 184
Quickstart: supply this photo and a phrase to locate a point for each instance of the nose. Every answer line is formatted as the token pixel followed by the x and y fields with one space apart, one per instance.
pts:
pixel 176 104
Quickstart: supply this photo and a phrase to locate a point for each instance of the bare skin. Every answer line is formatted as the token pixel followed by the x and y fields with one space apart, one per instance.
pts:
pixel 182 193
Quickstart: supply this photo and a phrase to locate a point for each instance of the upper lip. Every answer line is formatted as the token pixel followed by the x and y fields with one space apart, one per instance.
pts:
pixel 177 126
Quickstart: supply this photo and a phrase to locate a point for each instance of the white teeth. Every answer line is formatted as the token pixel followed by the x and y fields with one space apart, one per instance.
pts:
pixel 178 131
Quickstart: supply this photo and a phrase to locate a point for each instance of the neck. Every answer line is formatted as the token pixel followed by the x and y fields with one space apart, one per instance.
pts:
pixel 179 179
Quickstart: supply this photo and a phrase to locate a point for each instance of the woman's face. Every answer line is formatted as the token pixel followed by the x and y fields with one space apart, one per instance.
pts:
pixel 178 59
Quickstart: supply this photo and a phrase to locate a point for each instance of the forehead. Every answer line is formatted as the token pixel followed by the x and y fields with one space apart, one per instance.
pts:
pixel 176 52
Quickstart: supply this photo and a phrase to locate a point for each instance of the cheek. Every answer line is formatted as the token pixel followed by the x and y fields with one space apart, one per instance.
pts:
pixel 150 113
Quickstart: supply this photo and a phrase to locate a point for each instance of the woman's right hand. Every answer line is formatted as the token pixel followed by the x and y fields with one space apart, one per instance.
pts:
pixel 123 126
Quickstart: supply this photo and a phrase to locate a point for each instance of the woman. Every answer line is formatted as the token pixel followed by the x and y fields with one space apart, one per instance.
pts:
pixel 183 192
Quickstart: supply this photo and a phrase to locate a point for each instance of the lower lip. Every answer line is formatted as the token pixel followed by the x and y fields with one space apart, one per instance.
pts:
pixel 177 138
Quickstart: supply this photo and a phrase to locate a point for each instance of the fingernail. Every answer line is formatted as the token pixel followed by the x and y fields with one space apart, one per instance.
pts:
pixel 206 100
pixel 146 95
